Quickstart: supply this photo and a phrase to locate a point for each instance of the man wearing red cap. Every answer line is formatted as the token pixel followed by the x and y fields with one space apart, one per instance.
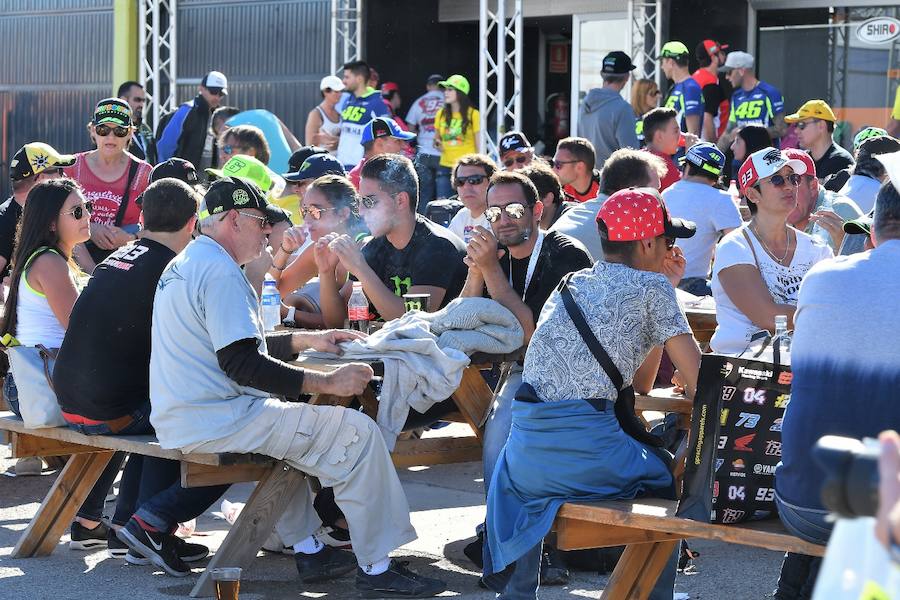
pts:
pixel 572 420
pixel 710 55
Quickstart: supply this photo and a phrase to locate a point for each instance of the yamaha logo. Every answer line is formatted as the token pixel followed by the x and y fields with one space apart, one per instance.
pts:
pixel 880 30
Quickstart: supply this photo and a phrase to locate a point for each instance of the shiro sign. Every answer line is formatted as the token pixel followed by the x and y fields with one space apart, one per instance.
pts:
pixel 880 30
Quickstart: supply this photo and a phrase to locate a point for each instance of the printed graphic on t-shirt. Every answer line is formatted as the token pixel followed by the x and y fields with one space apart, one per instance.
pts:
pixel 453 135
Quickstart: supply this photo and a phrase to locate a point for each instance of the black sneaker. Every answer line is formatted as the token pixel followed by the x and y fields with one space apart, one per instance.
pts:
pixel 115 548
pixel 186 551
pixel 82 538
pixel 474 550
pixel 553 569
pixel 160 548
pixel 328 563
pixel 397 582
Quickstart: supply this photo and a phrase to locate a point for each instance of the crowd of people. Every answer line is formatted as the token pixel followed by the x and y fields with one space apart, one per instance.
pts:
pixel 143 260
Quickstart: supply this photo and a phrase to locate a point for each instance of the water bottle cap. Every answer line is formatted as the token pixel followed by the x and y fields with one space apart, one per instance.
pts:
pixel 357 285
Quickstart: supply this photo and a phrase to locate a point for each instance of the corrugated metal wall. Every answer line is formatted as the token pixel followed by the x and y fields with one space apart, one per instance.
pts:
pixel 58 63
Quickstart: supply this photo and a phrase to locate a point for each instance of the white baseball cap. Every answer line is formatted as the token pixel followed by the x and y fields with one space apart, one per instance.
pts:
pixel 765 163
pixel 215 79
pixel 737 60
pixel 332 82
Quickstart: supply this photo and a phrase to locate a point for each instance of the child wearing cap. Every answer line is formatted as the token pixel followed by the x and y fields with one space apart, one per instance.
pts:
pixel 456 127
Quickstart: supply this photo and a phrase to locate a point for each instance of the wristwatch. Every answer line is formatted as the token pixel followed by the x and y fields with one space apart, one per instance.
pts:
pixel 289 319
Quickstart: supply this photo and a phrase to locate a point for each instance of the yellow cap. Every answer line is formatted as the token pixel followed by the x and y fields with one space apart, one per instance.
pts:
pixel 812 109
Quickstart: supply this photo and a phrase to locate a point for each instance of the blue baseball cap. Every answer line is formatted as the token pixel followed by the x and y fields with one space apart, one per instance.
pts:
pixel 706 156
pixel 380 127
pixel 315 166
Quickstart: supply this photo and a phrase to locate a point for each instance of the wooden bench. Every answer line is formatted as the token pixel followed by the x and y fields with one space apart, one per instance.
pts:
pixel 650 532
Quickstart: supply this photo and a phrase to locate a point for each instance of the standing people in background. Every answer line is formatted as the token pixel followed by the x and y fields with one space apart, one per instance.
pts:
pixel 32 164
pixel 753 102
pixel 759 267
pixel 420 120
pixel 662 136
pixel 685 95
pixel 516 152
pixel 390 93
pixel 143 144
pixel 380 136
pixel 363 104
pixel 186 134
pixel 605 117
pixel 711 56
pixel 747 140
pixel 645 96
pixel 695 198
pixel 471 177
pixel 278 137
pixel 815 125
pixel 323 124
pixel 574 163
pixel 456 125
pixel 111 179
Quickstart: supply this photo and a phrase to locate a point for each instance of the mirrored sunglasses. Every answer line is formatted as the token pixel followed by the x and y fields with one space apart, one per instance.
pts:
pixel 104 130
pixel 516 210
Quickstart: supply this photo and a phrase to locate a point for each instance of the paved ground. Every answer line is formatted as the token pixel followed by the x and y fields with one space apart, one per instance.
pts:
pixel 447 505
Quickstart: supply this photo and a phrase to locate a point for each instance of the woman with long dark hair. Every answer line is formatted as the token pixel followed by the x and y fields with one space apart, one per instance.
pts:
pixel 456 128
pixel 42 292
pixel 748 140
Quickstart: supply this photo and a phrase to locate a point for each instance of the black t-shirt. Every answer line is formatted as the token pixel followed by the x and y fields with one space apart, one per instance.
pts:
pixel 834 159
pixel 10 213
pixel 560 255
pixel 433 256
pixel 103 368
pixel 712 98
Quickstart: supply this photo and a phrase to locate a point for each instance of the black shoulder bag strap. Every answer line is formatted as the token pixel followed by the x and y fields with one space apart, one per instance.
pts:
pixel 120 214
pixel 624 406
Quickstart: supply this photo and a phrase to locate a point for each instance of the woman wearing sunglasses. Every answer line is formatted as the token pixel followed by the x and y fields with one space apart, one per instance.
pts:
pixel 111 179
pixel 42 292
pixel 645 97
pixel 330 205
pixel 759 266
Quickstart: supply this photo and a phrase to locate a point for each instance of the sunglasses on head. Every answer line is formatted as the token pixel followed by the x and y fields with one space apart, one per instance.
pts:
pixel 518 159
pixel 104 129
pixel 314 212
pixel 780 180
pixel 470 180
pixel 80 211
pixel 516 210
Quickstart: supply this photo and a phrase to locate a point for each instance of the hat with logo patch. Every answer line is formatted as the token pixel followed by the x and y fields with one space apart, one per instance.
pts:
pixel 737 60
pixel 236 193
pixel 514 141
pixel 673 50
pixel 35 158
pixel 315 166
pixel 113 112
pixel 215 81
pixel 617 63
pixel 389 86
pixel 812 109
pixel 640 214
pixel 381 127
pixel 765 163
pixel 710 48
pixel 457 82
pixel 705 156
pixel 177 168
pixel 300 155
pixel 251 169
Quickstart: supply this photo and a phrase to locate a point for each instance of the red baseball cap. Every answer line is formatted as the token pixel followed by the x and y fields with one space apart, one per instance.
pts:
pixel 714 47
pixel 389 86
pixel 804 156
pixel 765 163
pixel 640 214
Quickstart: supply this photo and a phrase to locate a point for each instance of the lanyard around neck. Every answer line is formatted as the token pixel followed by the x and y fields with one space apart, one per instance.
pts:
pixel 532 263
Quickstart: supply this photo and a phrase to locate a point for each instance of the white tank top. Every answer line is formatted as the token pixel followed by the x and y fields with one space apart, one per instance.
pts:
pixel 35 321
pixel 329 127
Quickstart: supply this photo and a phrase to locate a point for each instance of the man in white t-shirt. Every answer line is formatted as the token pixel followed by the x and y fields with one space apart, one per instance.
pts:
pixel 695 198
pixel 471 176
pixel 420 120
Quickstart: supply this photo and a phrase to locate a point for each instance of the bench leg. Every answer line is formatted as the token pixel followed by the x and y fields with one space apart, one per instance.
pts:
pixel 473 397
pixel 637 570
pixel 254 524
pixel 63 500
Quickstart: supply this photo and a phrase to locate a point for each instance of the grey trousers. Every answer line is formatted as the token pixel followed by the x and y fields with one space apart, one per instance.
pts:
pixel 346 451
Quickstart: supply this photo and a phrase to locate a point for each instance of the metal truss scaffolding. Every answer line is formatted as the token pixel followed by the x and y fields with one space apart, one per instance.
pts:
pixel 346 32
pixel 500 65
pixel 645 34
pixel 157 56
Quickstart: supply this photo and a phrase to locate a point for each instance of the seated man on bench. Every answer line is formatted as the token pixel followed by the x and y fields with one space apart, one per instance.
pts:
pixel 215 388
pixel 602 324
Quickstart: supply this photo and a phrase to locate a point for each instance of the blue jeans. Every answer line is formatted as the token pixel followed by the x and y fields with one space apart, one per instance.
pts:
pixel 496 430
pixel 442 183
pixel 698 286
pixel 427 169
pixel 798 571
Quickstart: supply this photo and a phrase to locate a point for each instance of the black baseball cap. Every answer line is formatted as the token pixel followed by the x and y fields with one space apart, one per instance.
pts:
pixel 177 168
pixel 35 158
pixel 434 79
pixel 299 157
pixel 235 193
pixel 112 111
pixel 617 63
pixel 315 166
pixel 514 141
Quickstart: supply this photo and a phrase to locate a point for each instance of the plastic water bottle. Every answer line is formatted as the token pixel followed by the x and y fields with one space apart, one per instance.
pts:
pixel 358 309
pixel 783 338
pixel 271 304
pixel 734 193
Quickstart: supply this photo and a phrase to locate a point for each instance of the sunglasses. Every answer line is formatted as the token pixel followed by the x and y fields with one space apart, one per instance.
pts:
pixel 780 180
pixel 80 211
pixel 558 164
pixel 262 220
pixel 516 210
pixel 315 212
pixel 216 91
pixel 371 200
pixel 471 179
pixel 103 130
pixel 519 159
pixel 804 124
